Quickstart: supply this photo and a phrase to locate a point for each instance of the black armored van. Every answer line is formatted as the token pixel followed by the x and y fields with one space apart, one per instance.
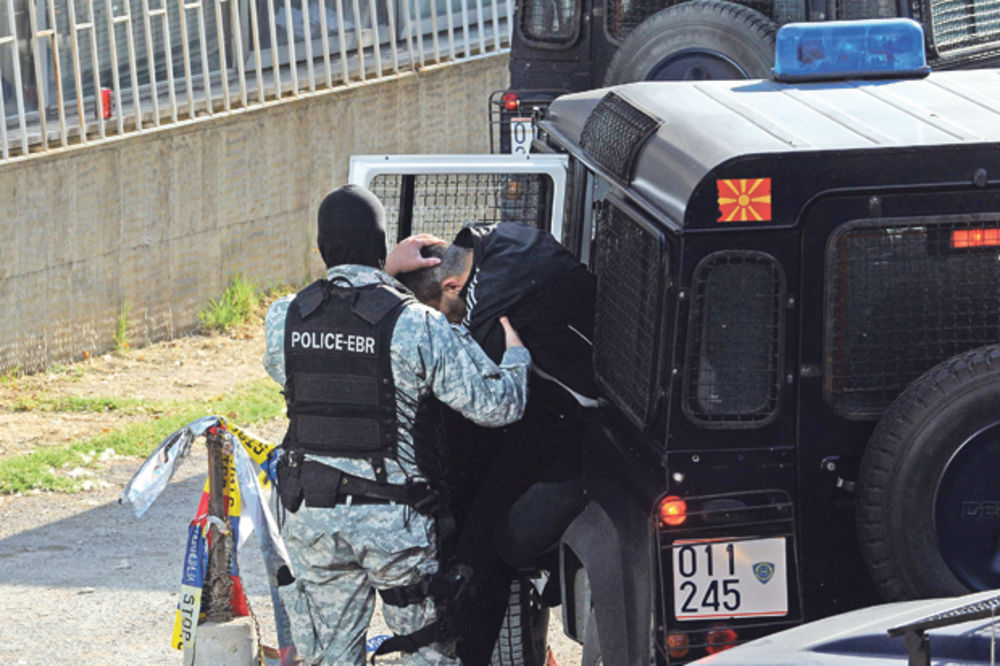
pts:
pixel 566 46
pixel 797 342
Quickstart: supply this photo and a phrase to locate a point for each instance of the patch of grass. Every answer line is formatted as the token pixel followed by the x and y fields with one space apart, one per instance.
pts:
pixel 45 468
pixel 276 290
pixel 121 328
pixel 127 406
pixel 240 301
pixel 11 375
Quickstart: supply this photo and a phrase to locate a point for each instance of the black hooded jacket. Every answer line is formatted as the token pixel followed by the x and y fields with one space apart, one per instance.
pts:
pixel 524 273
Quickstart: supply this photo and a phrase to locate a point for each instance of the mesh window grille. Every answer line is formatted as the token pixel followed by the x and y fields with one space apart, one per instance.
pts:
pixel 629 263
pixel 866 9
pixel 623 16
pixel 961 24
pixel 900 298
pixel 613 133
pixel 733 368
pixel 552 22
pixel 444 203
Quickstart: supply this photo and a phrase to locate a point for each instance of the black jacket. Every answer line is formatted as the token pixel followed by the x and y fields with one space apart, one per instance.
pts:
pixel 524 273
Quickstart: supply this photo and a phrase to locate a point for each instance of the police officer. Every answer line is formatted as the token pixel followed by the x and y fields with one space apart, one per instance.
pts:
pixel 359 361
pixel 521 487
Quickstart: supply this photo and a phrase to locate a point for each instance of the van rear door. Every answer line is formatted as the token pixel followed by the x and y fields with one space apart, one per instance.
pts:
pixel 439 194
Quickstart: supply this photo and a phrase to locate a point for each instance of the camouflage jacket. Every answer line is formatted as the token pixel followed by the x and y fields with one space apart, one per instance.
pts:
pixel 429 356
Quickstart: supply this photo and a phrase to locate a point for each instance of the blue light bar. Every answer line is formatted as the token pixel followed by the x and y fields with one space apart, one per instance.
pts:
pixel 879 48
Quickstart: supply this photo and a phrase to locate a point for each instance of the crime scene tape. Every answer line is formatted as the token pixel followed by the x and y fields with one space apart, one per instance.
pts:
pixel 248 472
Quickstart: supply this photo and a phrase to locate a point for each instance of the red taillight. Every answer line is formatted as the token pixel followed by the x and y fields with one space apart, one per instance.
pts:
pixel 718 640
pixel 975 238
pixel 673 510
pixel 678 645
pixel 510 101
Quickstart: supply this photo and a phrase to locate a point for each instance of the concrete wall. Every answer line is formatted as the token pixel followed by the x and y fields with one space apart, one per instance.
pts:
pixel 161 221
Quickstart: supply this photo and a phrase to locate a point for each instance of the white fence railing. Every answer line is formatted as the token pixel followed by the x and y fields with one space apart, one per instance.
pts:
pixel 79 71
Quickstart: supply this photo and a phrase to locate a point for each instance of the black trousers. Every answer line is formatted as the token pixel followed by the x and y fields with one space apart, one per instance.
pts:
pixel 524 499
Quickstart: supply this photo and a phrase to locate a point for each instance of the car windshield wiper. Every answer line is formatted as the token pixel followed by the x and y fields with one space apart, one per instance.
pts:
pixel 917 643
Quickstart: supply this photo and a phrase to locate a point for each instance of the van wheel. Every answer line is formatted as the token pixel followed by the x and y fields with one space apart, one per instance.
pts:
pixel 928 498
pixel 522 635
pixel 701 39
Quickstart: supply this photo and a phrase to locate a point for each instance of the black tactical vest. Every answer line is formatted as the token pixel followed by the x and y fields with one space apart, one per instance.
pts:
pixel 339 387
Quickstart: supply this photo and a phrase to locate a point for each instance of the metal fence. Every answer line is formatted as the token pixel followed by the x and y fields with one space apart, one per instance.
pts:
pixel 80 71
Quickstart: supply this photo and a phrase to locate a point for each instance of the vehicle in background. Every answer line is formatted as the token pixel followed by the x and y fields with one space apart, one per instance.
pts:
pixel 797 336
pixel 561 46
pixel 942 631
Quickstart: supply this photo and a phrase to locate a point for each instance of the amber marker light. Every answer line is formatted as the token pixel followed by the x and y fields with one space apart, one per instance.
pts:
pixel 678 645
pixel 509 101
pixel 975 238
pixel 718 640
pixel 673 511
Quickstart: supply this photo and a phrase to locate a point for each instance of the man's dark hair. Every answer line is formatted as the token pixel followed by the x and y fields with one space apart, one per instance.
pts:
pixel 425 283
pixel 453 261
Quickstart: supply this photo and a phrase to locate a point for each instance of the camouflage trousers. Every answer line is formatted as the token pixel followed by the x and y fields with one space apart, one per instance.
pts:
pixel 340 556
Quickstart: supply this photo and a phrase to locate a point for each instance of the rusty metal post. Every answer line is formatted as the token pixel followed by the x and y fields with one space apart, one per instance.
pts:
pixel 218 584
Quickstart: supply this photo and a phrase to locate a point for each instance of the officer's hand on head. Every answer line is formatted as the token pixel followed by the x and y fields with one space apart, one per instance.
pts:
pixel 406 257
pixel 510 335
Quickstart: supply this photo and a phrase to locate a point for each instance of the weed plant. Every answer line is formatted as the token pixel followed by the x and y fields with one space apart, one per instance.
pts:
pixel 121 328
pixel 239 303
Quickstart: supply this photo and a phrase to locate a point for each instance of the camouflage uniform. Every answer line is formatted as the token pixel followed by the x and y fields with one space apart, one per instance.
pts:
pixel 341 554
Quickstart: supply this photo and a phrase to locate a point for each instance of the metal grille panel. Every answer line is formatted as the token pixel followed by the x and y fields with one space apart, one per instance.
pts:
pixel 613 133
pixel 866 9
pixel 547 22
pixel 629 264
pixel 623 16
pixel 733 368
pixel 901 299
pixel 962 24
pixel 444 203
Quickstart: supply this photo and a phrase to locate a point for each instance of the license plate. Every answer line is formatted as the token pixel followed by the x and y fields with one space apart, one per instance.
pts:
pixel 726 579
pixel 521 135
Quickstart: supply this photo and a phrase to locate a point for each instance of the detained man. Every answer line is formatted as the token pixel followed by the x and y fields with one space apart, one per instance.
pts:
pixel 524 273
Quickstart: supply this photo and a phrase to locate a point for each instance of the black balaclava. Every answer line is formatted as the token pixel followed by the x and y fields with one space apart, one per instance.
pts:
pixel 351 228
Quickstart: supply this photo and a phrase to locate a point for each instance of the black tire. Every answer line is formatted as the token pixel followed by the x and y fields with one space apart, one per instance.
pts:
pixel 928 500
pixel 701 39
pixel 521 641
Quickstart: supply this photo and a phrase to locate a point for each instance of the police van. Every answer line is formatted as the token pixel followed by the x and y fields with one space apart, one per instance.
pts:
pixel 797 334
pixel 572 45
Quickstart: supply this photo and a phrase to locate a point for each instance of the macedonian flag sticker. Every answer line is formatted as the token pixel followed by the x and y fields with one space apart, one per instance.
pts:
pixel 744 199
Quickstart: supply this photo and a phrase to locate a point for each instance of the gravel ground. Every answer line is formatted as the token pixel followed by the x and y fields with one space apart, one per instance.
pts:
pixel 84 582
pixel 87 583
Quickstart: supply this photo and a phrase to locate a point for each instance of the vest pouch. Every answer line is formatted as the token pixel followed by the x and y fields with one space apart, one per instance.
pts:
pixel 289 478
pixel 320 484
pixel 338 435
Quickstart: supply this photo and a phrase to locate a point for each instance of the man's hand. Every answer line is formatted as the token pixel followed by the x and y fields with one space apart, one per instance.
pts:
pixel 405 257
pixel 510 335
